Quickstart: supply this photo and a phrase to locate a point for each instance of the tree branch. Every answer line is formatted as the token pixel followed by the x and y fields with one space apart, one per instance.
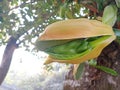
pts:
pixel 7 57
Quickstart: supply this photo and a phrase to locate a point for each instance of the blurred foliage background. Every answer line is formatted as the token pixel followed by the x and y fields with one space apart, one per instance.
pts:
pixel 26 19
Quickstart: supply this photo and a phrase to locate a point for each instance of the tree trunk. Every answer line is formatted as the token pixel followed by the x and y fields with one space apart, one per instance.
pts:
pixel 7 57
pixel 94 79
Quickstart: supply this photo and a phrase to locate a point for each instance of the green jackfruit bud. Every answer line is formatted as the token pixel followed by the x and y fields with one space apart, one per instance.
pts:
pixel 75 48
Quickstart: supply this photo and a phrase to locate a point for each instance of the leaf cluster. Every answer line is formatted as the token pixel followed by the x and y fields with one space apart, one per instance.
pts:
pixel 25 19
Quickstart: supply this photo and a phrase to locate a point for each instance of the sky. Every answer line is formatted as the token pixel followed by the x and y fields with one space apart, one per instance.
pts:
pixel 27 71
pixel 24 61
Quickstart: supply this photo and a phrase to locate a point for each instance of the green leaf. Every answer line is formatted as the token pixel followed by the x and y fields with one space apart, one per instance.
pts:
pixel 117 3
pixel 79 71
pixel 110 15
pixel 103 68
pixel 62 10
pixel 107 70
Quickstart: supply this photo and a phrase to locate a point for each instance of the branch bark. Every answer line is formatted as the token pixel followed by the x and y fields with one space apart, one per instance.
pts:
pixel 7 57
pixel 94 79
